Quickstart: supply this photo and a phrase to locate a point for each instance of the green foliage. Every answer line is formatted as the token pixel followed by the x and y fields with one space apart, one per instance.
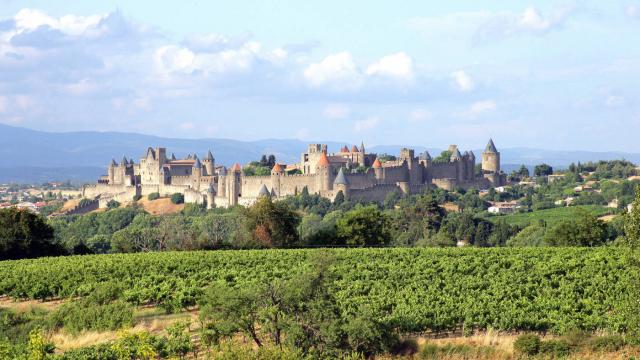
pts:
pixel 584 230
pixel 550 216
pixel 137 197
pixel 528 344
pixel 112 204
pixel 607 343
pixel 364 226
pixel 272 223
pixel 556 348
pixel 532 235
pixel 444 157
pixel 550 289
pixel 542 170
pixel 632 223
pixel 177 198
pixel 24 234
pixel 153 196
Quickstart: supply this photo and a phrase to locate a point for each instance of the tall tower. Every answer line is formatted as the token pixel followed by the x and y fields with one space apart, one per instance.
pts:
pixel 341 184
pixel 377 169
pixel 490 159
pixel 276 173
pixel 111 171
pixel 209 164
pixel 234 184
pixel 323 173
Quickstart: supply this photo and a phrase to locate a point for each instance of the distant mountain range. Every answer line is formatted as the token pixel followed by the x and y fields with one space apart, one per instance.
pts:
pixel 32 156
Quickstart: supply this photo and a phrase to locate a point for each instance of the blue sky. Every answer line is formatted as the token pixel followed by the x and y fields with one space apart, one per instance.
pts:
pixel 549 74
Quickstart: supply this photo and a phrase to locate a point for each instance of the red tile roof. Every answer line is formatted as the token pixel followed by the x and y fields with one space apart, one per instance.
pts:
pixel 324 161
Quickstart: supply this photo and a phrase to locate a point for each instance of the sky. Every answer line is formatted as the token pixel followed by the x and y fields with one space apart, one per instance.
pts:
pixel 543 74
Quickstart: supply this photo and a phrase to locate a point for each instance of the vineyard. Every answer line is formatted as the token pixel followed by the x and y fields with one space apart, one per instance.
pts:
pixel 414 290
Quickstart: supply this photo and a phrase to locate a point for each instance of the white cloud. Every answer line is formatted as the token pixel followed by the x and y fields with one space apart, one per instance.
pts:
pixel 23 102
pixel 336 70
pixel 531 21
pixel 397 66
pixel 30 19
pixel 479 108
pixel 336 111
pixel 633 11
pixel 366 124
pixel 4 104
pixel 614 101
pixel 420 116
pixel 462 81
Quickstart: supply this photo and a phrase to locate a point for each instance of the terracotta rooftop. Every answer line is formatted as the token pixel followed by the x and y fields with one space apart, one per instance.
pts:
pixel 354 149
pixel 236 167
pixel 277 168
pixel 324 161
pixel 344 149
pixel 377 164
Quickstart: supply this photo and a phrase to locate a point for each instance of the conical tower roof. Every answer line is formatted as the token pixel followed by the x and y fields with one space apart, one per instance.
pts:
pixel 131 161
pixel 377 164
pixel 344 149
pixel 223 171
pixel 354 149
pixel 471 154
pixel 426 155
pixel 236 167
pixel 113 163
pixel 197 164
pixel 124 161
pixel 264 191
pixel 323 161
pixel 456 155
pixel 209 155
pixel 341 179
pixel 491 147
pixel 173 156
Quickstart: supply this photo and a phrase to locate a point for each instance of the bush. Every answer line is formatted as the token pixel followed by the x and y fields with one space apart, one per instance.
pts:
pixel 96 312
pixel 137 197
pixel 112 204
pixel 607 343
pixel 153 196
pixel 556 348
pixel 528 344
pixel 177 198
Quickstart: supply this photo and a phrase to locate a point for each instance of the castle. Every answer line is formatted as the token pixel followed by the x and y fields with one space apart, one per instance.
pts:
pixel 358 175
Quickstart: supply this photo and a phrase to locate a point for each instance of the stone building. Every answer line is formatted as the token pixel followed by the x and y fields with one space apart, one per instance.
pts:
pixel 359 175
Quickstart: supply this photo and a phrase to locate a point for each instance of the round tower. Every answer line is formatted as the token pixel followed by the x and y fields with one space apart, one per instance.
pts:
pixel 341 184
pixel 211 197
pixel 222 182
pixel 111 171
pixel 196 172
pixel 377 169
pixel 276 173
pixel 209 164
pixel 234 184
pixel 490 159
pixel 323 173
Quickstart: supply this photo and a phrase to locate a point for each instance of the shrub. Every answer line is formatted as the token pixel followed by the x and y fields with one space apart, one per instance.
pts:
pixel 607 343
pixel 528 344
pixel 153 196
pixel 80 315
pixel 177 198
pixel 556 348
pixel 137 197
pixel 112 204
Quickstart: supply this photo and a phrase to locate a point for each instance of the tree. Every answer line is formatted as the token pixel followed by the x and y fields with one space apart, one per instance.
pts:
pixel 632 222
pixel 364 226
pixel 25 235
pixel 585 230
pixel 542 170
pixel 272 223
pixel 112 204
pixel 523 172
pixel 339 199
pixel 177 198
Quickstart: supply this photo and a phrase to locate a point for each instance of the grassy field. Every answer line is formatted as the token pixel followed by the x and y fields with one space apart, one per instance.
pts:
pixel 550 216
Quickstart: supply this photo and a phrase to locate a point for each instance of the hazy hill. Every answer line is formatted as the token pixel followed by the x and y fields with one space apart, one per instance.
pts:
pixel 35 156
